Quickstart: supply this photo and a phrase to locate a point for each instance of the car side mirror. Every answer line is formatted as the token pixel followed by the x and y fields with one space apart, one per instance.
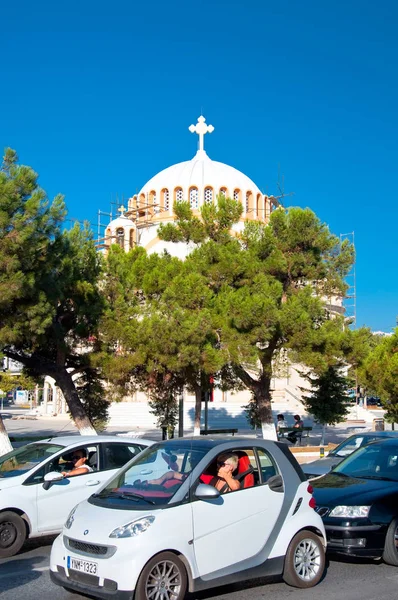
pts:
pixel 206 492
pixel 50 478
pixel 275 483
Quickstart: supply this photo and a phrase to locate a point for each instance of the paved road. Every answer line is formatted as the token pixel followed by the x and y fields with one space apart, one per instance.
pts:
pixel 26 576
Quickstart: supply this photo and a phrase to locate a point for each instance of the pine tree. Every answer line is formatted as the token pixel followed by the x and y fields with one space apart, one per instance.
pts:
pixel 49 296
pixel 327 400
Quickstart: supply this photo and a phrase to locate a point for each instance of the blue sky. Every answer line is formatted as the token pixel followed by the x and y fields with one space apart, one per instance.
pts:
pixel 98 97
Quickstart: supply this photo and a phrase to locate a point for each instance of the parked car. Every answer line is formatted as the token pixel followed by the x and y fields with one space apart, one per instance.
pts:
pixel 324 465
pixel 35 498
pixel 140 538
pixel 374 401
pixel 358 502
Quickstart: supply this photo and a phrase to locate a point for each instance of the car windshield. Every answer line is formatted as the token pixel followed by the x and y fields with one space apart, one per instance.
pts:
pixel 376 461
pixel 153 478
pixel 347 447
pixel 23 459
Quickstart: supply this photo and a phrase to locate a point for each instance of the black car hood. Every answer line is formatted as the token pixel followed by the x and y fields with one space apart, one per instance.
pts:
pixel 333 490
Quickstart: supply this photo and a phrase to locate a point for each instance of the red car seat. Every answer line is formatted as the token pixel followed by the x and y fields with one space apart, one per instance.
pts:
pixel 245 471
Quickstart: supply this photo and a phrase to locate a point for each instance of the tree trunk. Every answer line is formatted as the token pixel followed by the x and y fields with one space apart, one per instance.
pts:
pixel 198 410
pixel 65 382
pixel 262 394
pixel 5 444
pixel 323 435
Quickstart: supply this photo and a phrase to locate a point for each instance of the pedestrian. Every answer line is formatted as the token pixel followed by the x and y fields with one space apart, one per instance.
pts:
pixel 280 424
pixel 298 426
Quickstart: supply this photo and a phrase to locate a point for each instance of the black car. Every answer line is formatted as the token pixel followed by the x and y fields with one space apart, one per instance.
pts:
pixel 326 464
pixel 358 502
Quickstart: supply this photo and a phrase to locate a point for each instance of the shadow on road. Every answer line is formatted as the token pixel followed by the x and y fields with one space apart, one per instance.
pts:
pixel 19 572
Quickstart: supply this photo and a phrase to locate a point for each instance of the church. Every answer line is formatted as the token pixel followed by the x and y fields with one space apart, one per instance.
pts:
pixel 199 180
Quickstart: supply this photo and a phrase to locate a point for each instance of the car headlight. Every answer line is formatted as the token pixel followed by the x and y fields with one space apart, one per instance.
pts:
pixel 134 528
pixel 350 511
pixel 71 518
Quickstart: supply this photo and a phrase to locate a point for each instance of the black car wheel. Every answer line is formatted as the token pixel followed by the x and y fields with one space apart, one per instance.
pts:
pixel 163 578
pixel 390 554
pixel 305 560
pixel 12 533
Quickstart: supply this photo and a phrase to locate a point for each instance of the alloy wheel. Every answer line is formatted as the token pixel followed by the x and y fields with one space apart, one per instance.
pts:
pixel 163 581
pixel 307 559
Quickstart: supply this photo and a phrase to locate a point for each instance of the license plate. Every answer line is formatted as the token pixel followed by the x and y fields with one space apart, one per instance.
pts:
pixel 84 566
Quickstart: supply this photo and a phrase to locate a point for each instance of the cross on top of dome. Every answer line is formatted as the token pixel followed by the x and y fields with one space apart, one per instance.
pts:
pixel 201 128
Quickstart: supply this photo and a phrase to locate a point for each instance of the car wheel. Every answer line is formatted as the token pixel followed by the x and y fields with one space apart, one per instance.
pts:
pixel 390 554
pixel 12 533
pixel 164 576
pixel 304 561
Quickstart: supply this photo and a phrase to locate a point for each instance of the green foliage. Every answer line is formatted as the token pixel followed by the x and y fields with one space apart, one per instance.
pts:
pixel 162 390
pixel 234 304
pixel 327 400
pixel 252 413
pixel 380 372
pixel 9 382
pixel 50 301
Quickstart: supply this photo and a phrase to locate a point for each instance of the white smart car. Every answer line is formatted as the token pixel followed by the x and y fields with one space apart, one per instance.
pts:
pixel 35 498
pixel 153 536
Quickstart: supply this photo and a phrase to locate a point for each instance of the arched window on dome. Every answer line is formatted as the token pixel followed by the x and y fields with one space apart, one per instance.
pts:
pixel 153 206
pixel 249 204
pixel 194 197
pixel 260 207
pixel 120 236
pixel 208 195
pixel 178 194
pixel 141 206
pixel 165 200
pixel 223 192
pixel 237 195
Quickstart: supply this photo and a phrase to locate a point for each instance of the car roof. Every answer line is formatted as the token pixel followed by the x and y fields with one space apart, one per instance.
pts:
pixel 375 434
pixel 211 442
pixel 384 442
pixel 78 440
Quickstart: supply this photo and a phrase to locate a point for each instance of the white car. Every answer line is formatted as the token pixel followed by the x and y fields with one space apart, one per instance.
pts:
pixel 149 539
pixel 35 498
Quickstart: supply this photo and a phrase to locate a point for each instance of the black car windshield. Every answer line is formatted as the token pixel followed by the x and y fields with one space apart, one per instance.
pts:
pixel 347 447
pixel 21 460
pixel 153 478
pixel 376 461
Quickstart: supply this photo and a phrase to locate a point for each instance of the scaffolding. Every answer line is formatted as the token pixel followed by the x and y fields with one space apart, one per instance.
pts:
pixel 142 215
pixel 350 300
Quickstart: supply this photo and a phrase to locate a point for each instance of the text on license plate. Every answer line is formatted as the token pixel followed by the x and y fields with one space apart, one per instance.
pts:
pixel 85 566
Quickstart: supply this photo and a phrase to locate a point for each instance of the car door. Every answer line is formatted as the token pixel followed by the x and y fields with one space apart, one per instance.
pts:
pixel 235 527
pixel 55 503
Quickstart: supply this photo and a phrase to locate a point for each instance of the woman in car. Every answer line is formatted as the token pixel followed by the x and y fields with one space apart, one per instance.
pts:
pixel 224 481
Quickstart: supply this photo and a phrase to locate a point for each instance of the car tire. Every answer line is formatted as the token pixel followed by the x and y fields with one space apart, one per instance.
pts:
pixel 390 553
pixel 168 572
pixel 304 561
pixel 12 533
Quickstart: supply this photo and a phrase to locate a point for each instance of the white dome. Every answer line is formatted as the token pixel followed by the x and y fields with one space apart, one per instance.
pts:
pixel 121 221
pixel 201 172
